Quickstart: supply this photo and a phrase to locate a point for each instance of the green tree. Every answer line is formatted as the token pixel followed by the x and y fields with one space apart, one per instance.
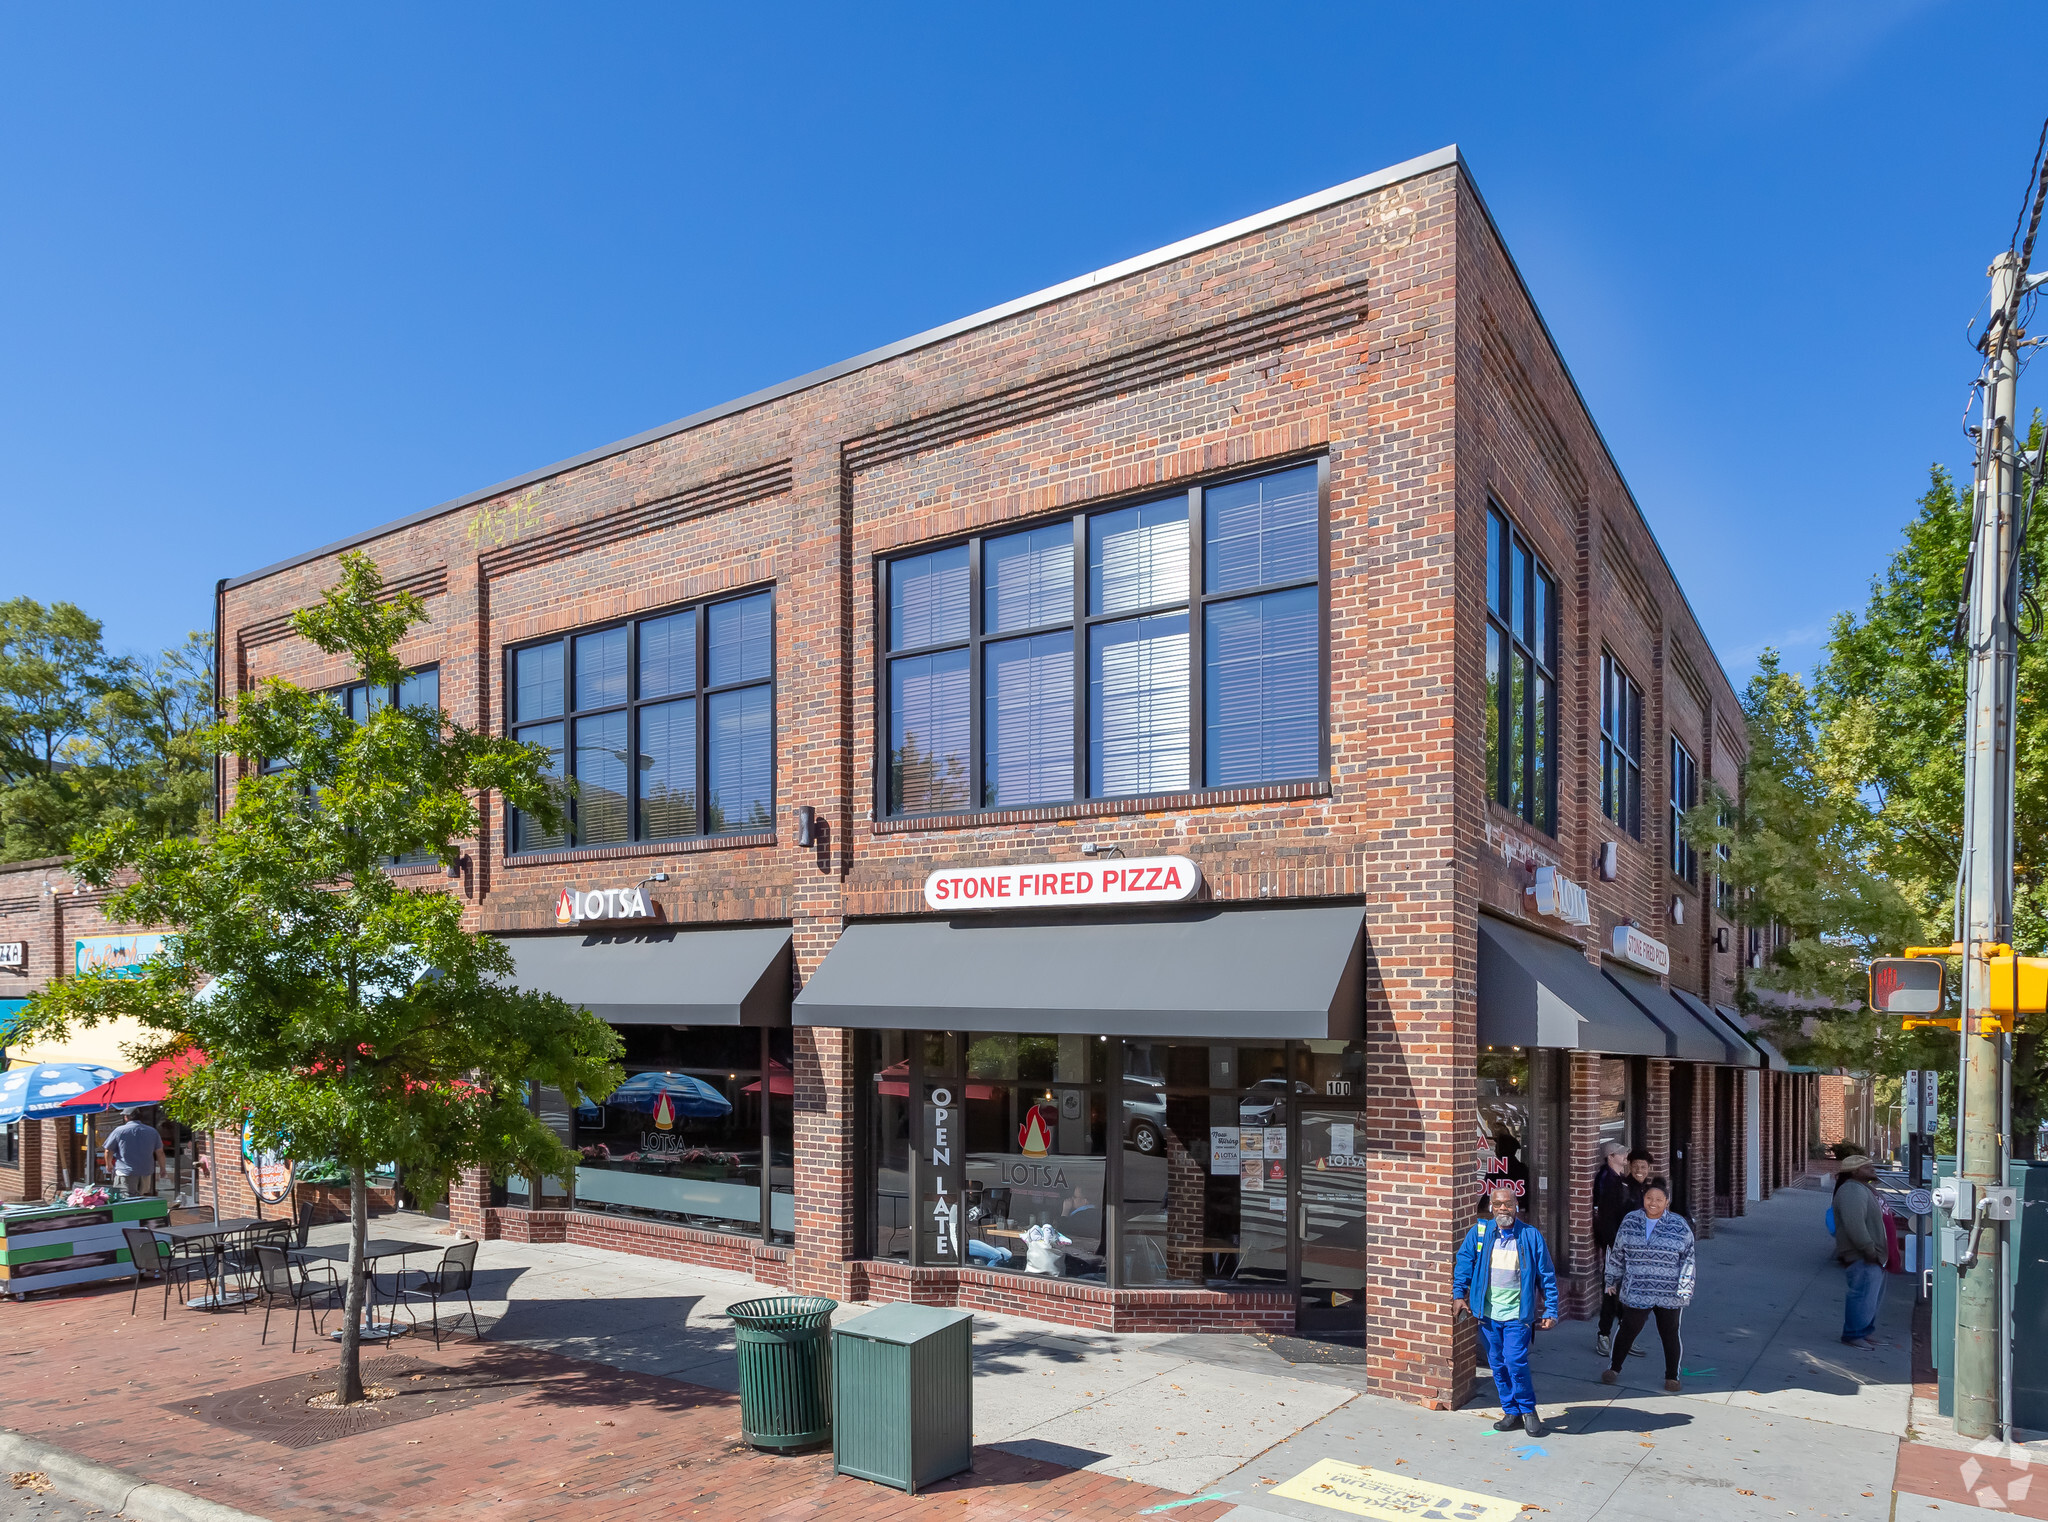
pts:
pixel 342 1015
pixel 1799 844
pixel 87 737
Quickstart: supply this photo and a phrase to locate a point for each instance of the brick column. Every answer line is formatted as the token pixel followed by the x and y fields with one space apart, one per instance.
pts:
pixel 469 1198
pixel 54 1152
pixel 31 1177
pixel 1186 1205
pixel 1738 1147
pixel 1657 1115
pixel 1579 1291
pixel 1700 1179
pixel 1767 1135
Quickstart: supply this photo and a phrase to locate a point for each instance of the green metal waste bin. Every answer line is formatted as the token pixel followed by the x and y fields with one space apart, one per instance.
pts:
pixel 903 1395
pixel 785 1369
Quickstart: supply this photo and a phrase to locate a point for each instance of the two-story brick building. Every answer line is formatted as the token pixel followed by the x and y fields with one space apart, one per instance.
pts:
pixel 1123 808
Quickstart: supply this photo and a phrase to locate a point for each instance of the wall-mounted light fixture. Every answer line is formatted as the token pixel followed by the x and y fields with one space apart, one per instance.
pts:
pixel 1678 911
pixel 1721 938
pixel 806 826
pixel 1610 861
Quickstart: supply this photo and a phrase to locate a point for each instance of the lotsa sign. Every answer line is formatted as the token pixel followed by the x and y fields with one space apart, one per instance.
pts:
pixel 579 904
pixel 1065 884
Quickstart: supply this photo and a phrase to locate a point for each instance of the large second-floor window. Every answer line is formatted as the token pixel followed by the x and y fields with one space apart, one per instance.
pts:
pixel 1159 647
pixel 1685 793
pixel 1521 676
pixel 666 723
pixel 1621 747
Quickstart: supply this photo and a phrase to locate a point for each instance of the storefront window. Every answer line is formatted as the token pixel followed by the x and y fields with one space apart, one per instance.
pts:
pixel 1615 1092
pixel 683 1138
pixel 1521 1137
pixel 1209 1204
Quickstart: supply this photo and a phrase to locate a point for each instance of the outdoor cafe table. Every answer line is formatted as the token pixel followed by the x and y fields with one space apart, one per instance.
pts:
pixel 210 1238
pixel 374 1250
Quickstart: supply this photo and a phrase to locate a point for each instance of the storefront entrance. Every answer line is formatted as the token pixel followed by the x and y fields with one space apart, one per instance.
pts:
pixel 1331 1216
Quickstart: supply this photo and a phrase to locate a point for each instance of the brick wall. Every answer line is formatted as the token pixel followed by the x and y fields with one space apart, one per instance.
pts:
pixel 1387 333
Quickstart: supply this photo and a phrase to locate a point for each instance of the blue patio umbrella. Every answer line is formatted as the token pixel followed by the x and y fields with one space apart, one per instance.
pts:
pixel 45 1088
pixel 687 1096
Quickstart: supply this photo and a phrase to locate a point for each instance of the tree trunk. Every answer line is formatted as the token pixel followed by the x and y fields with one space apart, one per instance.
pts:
pixel 350 1389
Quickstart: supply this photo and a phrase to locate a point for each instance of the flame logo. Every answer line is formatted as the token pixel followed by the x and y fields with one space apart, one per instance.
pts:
pixel 664 1113
pixel 565 908
pixel 1032 1137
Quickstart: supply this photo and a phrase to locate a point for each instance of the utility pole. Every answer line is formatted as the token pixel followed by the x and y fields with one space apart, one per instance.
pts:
pixel 1982 1323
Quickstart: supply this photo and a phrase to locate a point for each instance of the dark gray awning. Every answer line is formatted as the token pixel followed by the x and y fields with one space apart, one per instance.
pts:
pixel 670 976
pixel 1740 1053
pixel 1690 1040
pixel 1235 974
pixel 1534 991
pixel 1773 1058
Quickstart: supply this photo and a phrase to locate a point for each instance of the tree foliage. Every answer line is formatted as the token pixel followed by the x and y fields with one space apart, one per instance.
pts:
pixel 343 1015
pixel 88 737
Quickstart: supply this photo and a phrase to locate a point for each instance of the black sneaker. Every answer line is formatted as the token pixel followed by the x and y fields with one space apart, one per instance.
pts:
pixel 1533 1425
pixel 1512 1422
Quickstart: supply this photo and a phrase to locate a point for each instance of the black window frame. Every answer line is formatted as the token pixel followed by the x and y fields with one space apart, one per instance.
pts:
pixel 339 694
pixel 1621 746
pixel 700 693
pixel 1725 901
pixel 1079 623
pixel 1512 623
pixel 1685 794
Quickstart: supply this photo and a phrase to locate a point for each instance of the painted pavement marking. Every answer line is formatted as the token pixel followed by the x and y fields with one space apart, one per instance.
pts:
pixel 1387 1497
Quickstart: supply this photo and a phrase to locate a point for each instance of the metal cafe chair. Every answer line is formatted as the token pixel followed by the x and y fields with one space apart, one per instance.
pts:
pixel 154 1259
pixel 279 1280
pixel 239 1257
pixel 452 1276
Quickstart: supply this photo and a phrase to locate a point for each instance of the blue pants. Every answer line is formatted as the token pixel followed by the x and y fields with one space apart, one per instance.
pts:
pixel 1507 1353
pixel 1866 1294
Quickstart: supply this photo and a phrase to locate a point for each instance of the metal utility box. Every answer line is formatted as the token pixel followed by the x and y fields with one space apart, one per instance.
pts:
pixel 2029 1268
pixel 903 1395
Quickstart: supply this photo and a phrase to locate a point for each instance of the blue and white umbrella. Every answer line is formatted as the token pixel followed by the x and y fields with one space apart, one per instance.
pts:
pixel 45 1088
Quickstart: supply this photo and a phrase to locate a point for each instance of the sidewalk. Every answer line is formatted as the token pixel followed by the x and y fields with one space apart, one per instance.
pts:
pixel 602 1391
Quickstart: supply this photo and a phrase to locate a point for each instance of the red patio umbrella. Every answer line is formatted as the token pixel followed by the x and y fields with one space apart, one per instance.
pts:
pixel 144 1086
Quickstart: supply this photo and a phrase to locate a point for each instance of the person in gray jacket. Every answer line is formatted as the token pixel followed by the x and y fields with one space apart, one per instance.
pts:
pixel 1859 1248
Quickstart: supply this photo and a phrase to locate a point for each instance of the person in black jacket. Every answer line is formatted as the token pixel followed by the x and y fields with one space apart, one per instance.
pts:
pixel 1616 1191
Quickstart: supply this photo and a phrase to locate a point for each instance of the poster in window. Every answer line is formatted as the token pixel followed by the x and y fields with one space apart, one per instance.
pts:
pixel 1251 1142
pixel 1341 1139
pixel 1252 1173
pixel 1223 1151
pixel 1276 1141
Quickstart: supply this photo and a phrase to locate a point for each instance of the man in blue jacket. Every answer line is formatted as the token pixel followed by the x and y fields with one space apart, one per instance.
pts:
pixel 1504 1280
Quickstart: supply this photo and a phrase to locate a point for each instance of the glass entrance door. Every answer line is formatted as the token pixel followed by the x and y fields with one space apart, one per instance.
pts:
pixel 1330 1221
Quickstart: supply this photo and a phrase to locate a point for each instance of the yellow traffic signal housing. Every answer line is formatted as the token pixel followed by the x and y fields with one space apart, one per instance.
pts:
pixel 2019 985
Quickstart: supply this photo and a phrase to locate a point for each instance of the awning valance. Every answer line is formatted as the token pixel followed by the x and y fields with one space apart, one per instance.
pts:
pixel 1740 1053
pixel 671 976
pixel 1534 991
pixel 1689 1038
pixel 1228 974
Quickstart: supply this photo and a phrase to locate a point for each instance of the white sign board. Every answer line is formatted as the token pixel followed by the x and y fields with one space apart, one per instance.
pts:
pixel 13 953
pixel 1065 884
pixel 1631 945
pixel 579 904
pixel 1562 899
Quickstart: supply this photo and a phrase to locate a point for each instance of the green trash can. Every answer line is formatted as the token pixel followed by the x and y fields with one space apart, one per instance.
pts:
pixel 903 1396
pixel 785 1369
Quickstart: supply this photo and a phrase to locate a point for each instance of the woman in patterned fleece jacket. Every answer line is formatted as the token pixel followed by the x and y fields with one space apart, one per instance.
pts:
pixel 1651 1266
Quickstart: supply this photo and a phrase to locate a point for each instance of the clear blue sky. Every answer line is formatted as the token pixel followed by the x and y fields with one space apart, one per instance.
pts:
pixel 271 274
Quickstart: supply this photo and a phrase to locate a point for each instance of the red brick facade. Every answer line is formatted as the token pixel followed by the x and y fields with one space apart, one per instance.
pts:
pixel 1382 328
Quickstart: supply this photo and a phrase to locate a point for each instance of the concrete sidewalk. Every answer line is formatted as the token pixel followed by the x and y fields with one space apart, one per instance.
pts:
pixel 1777 1414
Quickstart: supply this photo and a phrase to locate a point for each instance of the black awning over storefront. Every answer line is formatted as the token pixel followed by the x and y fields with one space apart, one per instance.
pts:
pixel 1690 1038
pixel 1534 991
pixel 1740 1053
pixel 664 977
pixel 1773 1058
pixel 1233 974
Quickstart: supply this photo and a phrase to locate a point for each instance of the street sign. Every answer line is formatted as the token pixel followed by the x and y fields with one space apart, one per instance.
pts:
pixel 1906 985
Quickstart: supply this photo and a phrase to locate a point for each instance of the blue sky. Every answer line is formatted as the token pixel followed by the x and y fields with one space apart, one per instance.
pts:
pixel 272 274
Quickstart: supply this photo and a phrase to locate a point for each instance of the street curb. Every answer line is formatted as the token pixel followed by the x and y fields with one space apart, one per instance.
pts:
pixel 114 1489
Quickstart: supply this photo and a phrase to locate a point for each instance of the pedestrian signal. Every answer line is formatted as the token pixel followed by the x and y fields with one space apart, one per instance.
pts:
pixel 1906 985
pixel 2018 985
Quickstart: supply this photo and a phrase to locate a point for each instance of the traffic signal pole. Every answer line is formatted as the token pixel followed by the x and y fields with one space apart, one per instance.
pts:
pixel 1983 1141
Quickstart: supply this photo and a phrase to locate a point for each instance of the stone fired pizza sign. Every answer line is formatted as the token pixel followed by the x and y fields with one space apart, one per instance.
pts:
pixel 1065 884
